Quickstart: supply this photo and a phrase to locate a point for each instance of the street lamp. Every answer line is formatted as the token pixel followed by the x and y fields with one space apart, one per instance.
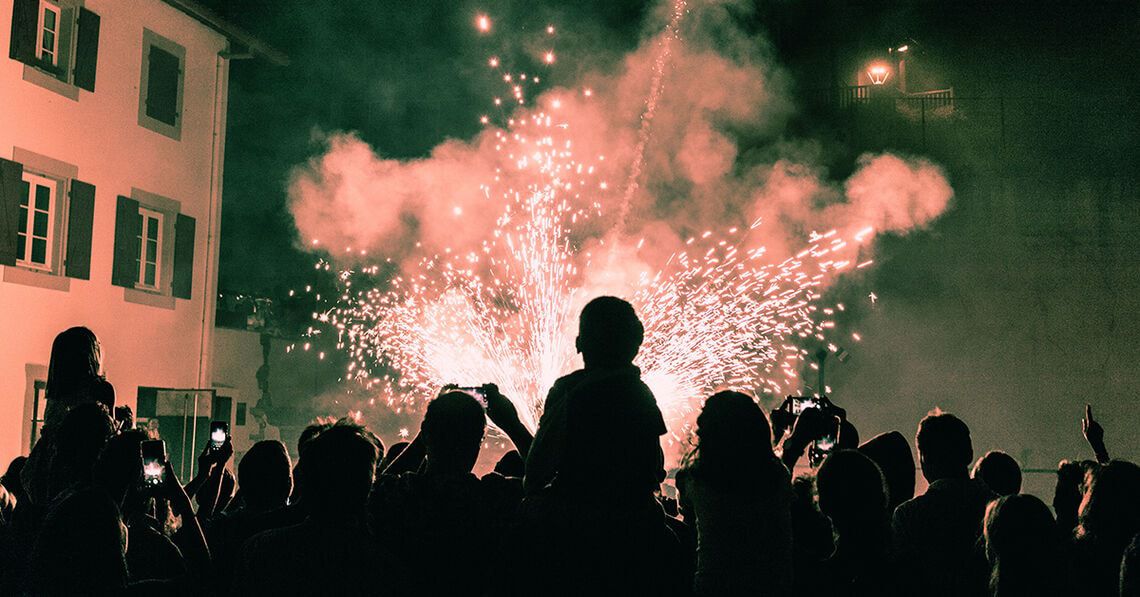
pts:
pixel 878 73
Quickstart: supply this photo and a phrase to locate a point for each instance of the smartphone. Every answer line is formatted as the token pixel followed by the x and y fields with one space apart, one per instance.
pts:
pixel 823 446
pixel 219 433
pixel 802 403
pixel 153 462
pixel 477 391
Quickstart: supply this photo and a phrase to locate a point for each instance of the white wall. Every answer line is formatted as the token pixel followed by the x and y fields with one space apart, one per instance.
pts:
pixel 99 133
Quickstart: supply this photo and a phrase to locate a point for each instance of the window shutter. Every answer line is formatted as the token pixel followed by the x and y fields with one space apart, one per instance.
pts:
pixel 25 19
pixel 163 70
pixel 11 180
pixel 125 269
pixel 183 257
pixel 81 216
pixel 86 49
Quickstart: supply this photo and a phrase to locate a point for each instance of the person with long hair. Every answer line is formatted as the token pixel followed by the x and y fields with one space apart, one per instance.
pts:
pixel 740 495
pixel 1023 549
pixel 1108 519
pixel 75 377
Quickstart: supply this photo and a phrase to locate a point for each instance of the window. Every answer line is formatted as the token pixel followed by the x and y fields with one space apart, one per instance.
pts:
pixel 160 89
pixel 35 223
pixel 150 250
pixel 47 38
pixel 58 42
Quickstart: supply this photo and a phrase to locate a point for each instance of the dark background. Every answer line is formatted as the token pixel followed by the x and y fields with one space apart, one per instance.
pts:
pixel 1015 309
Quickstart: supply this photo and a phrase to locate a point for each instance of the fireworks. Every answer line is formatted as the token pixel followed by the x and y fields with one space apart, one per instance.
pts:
pixel 719 313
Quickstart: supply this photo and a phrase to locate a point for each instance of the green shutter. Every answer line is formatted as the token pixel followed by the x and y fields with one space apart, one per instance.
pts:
pixel 25 19
pixel 163 71
pixel 183 257
pixel 125 269
pixel 80 217
pixel 86 49
pixel 11 181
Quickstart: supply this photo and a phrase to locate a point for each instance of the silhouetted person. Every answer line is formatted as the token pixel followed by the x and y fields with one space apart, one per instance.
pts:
pixel 936 534
pixel 891 452
pixel 1108 519
pixel 265 478
pixel 443 510
pixel 331 552
pixel 1023 549
pixel 1068 493
pixel 1000 472
pixel 80 548
pixel 75 377
pixel 609 336
pixel 853 495
pixel 598 528
pixel 739 494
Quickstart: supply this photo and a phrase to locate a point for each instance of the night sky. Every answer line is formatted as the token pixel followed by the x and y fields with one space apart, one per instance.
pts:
pixel 1017 307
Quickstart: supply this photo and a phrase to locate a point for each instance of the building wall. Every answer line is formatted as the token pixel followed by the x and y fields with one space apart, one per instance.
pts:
pixel 99 134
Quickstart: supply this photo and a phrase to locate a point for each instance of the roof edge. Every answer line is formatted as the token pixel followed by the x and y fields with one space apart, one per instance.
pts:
pixel 231 31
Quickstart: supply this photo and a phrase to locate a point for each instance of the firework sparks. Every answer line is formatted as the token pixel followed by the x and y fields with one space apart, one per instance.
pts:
pixel 720 313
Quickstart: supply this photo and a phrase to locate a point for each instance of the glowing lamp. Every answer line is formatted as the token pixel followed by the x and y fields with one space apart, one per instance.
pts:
pixel 878 74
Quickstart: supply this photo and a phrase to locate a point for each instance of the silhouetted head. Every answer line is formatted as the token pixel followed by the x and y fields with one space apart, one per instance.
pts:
pixel 1000 472
pixel 1022 546
pixel 11 479
pixel 891 452
pixel 119 467
pixel 307 434
pixel 734 443
pixel 944 448
pixel 265 475
pixel 609 333
pixel 1110 509
pixel 852 493
pixel 453 429
pixel 81 547
pixel 393 453
pixel 511 465
pixel 76 357
pixel 339 465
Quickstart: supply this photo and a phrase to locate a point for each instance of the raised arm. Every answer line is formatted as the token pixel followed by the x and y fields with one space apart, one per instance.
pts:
pixel 503 414
pixel 1094 435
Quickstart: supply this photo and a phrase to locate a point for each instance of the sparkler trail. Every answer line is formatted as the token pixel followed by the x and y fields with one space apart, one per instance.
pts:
pixel 720 311
pixel 672 34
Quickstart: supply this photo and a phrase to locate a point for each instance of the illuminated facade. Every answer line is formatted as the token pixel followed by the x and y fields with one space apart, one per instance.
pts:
pixel 111 148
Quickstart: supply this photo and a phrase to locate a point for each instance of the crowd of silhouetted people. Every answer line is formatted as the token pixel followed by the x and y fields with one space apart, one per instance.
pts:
pixel 577 508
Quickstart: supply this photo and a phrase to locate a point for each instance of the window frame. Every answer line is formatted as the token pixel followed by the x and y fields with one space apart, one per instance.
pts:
pixel 34 180
pixel 45 7
pixel 149 213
